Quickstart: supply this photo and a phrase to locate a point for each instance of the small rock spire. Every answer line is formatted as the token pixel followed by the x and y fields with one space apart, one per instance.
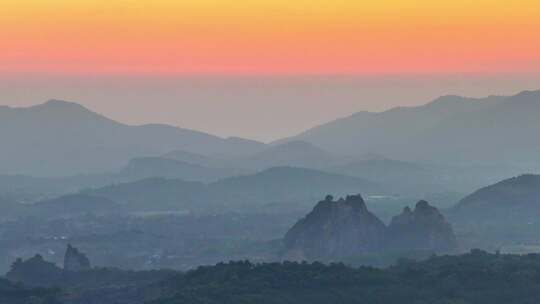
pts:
pixel 75 260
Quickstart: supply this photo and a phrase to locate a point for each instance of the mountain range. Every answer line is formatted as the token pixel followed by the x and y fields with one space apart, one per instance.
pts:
pixel 277 189
pixel 64 138
pixel 60 138
pixel 451 129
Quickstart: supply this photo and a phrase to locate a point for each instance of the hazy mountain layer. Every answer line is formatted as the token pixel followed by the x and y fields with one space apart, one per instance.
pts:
pixel 63 138
pixel 450 129
pixel 281 186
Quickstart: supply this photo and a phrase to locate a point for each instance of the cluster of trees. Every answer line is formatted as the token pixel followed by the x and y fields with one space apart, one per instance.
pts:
pixel 474 278
pixel 477 277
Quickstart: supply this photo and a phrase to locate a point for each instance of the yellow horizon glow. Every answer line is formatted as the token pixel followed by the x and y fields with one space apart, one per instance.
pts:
pixel 269 36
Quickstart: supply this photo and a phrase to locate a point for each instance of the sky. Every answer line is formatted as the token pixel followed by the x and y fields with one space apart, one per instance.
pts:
pixel 223 66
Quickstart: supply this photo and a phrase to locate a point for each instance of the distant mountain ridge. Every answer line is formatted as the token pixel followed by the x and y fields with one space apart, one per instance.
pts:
pixel 60 138
pixel 449 129
pixel 295 187
pixel 371 125
pixel 181 187
pixel 65 138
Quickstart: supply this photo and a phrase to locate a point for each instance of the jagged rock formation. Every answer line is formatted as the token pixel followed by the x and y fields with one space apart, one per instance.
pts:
pixel 343 228
pixel 423 228
pixel 335 229
pixel 75 260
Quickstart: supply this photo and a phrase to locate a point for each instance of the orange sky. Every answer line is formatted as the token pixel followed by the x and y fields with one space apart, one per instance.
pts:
pixel 269 36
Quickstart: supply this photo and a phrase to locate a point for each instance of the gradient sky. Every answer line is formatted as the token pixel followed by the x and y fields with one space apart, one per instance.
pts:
pixel 269 36
pixel 187 62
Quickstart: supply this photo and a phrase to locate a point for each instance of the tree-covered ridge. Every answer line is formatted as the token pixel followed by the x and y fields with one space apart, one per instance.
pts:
pixel 477 277
pixel 474 278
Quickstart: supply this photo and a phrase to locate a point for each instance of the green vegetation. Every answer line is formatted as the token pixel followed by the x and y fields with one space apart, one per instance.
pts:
pixel 477 277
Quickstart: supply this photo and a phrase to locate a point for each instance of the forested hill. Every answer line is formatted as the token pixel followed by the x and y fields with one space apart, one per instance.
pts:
pixel 477 277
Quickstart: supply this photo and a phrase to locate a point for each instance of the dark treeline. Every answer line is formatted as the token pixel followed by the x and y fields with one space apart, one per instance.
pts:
pixel 476 278
pixel 11 293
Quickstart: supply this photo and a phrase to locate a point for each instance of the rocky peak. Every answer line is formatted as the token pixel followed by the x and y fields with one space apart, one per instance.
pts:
pixel 75 260
pixel 335 229
pixel 353 202
pixel 423 228
pixel 356 201
pixel 343 228
pixel 423 207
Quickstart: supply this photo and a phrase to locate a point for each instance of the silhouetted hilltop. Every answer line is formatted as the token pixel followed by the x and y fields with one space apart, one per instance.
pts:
pixel 345 228
pixel 335 229
pixel 515 199
pixel 423 228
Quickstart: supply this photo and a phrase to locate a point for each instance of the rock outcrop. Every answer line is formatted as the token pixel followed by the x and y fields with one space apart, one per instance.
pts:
pixel 75 260
pixel 335 229
pixel 345 228
pixel 423 228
